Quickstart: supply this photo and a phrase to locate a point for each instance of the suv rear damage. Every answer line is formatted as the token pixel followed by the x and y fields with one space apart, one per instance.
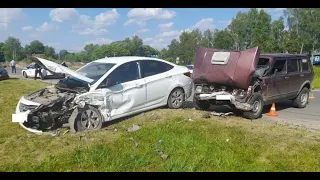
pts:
pixel 246 80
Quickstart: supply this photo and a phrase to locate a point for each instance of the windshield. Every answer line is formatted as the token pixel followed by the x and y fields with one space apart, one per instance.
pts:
pixel 95 70
pixel 262 66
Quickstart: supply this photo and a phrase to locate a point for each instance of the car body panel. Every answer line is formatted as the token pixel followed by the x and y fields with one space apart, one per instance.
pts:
pixel 121 99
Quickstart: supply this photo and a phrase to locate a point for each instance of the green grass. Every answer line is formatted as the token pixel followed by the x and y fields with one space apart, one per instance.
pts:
pixel 198 145
pixel 316 81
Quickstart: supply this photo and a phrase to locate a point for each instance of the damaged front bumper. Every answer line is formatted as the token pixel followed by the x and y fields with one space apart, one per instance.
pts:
pixel 225 96
pixel 21 114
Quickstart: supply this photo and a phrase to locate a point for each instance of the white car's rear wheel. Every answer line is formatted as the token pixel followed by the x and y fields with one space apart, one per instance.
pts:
pixel 176 98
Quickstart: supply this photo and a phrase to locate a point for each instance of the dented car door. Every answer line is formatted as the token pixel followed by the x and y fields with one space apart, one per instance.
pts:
pixel 124 89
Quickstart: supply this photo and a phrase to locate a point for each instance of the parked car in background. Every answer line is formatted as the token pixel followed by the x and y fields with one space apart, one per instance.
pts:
pixel 246 80
pixel 29 71
pixel 316 59
pixel 190 67
pixel 3 73
pixel 103 90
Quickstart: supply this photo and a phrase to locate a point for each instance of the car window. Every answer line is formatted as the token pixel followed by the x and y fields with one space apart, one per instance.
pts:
pixel 280 65
pixel 124 73
pixel 304 64
pixel 292 65
pixel 151 67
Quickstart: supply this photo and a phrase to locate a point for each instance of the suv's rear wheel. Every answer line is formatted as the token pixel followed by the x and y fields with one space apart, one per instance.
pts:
pixel 257 103
pixel 301 100
pixel 201 104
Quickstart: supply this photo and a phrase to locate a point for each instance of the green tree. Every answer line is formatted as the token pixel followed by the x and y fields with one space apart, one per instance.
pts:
pixel 35 47
pixel 62 54
pixel 13 49
pixel 223 39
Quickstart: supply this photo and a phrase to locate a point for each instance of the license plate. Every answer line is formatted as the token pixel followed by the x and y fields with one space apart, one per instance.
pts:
pixel 223 97
pixel 20 117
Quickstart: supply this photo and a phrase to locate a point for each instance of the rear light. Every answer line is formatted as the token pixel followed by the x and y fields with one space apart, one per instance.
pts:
pixel 187 74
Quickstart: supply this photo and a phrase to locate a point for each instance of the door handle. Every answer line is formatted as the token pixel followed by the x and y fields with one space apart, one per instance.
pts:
pixel 168 76
pixel 287 77
pixel 139 85
pixel 301 74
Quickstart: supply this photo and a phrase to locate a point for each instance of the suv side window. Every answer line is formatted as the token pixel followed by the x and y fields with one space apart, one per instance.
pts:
pixel 151 67
pixel 304 64
pixel 281 66
pixel 292 65
pixel 124 73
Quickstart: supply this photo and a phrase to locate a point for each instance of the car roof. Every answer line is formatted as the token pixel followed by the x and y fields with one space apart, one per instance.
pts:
pixel 124 59
pixel 282 55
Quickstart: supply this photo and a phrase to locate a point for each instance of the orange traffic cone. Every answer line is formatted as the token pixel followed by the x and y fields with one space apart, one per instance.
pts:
pixel 311 96
pixel 272 111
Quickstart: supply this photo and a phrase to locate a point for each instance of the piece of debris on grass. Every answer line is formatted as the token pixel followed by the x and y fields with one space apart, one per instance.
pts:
pixel 136 144
pixel 142 114
pixel 222 114
pixel 134 128
pixel 158 143
pixel 206 116
pixel 162 155
pixel 82 137
pixel 66 132
pixel 115 130
pixel 227 140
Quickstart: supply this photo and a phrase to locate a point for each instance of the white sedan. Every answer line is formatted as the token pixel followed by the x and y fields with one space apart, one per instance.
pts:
pixel 29 71
pixel 104 90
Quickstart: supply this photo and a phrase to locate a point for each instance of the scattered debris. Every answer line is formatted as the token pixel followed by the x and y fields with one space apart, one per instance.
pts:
pixel 135 142
pixel 82 136
pixel 162 155
pixel 66 132
pixel 227 140
pixel 115 130
pixel 134 128
pixel 158 143
pixel 190 120
pixel 206 116
pixel 222 114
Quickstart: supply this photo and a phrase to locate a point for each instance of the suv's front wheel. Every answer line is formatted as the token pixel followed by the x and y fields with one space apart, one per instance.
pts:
pixel 301 100
pixel 257 103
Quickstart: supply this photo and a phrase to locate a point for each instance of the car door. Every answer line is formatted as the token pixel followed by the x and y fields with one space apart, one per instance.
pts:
pixel 158 80
pixel 306 73
pixel 294 74
pixel 31 71
pixel 124 90
pixel 277 84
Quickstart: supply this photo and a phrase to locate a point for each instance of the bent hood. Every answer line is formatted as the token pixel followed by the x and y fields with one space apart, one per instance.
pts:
pixel 233 68
pixel 55 68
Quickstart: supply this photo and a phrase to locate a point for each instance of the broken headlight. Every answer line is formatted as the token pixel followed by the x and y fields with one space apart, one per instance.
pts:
pixel 242 93
pixel 198 89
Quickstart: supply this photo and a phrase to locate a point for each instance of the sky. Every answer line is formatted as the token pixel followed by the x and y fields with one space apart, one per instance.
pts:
pixel 73 28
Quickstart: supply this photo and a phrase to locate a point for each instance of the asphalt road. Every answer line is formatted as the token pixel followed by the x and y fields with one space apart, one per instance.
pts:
pixel 19 75
pixel 307 117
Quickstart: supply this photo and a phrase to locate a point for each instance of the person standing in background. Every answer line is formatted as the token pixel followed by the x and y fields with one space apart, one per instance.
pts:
pixel 13 66
pixel 37 70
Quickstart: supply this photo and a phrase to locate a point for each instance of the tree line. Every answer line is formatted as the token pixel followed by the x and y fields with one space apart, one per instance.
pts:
pixel 254 28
